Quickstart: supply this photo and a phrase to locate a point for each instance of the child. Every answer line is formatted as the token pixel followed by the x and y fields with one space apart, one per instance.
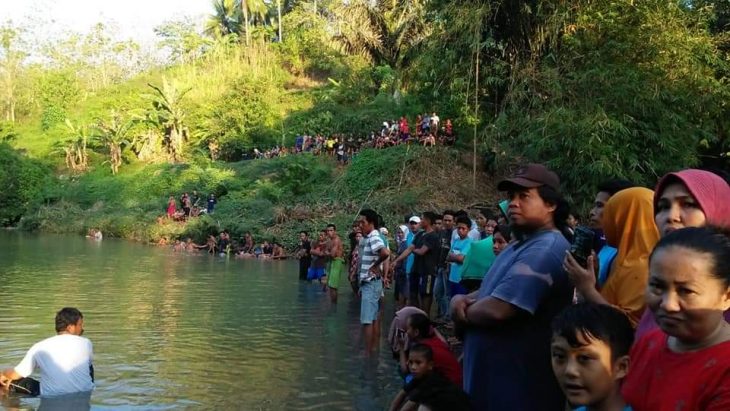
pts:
pixel 428 386
pixel 590 355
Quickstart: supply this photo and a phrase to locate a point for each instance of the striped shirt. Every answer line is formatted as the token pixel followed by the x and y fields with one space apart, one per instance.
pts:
pixel 370 247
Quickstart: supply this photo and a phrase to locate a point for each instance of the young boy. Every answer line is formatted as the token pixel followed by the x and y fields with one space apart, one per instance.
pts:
pixel 428 386
pixel 590 355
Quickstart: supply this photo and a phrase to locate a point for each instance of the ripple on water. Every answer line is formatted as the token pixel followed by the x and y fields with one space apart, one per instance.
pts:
pixel 174 331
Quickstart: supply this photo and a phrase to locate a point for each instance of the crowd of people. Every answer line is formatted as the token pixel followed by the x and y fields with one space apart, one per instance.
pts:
pixel 629 312
pixel 428 131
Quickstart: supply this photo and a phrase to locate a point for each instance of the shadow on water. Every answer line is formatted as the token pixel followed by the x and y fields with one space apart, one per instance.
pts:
pixel 175 331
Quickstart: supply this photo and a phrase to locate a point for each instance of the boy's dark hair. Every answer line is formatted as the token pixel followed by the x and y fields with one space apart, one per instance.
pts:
pixel 614 186
pixel 487 213
pixel 305 233
pixel 449 212
pixel 595 322
pixel 429 215
pixel 461 213
pixel 422 349
pixel 505 231
pixel 332 226
pixel 370 216
pixel 67 316
pixel 712 241
pixel 463 220
pixel 438 217
pixel 420 323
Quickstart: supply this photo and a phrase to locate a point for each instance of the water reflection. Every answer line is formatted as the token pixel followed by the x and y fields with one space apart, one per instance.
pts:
pixel 182 331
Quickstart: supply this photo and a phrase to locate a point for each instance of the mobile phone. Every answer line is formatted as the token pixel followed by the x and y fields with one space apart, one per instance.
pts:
pixel 582 245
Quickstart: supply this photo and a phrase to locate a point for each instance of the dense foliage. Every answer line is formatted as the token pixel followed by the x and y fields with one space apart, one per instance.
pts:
pixel 595 88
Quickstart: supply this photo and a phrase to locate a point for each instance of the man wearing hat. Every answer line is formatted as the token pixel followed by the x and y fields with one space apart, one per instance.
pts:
pixel 507 364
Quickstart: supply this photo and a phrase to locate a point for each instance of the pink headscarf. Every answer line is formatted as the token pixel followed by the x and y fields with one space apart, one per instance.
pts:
pixel 711 191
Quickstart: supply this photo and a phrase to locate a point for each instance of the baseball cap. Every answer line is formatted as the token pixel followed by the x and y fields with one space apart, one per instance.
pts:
pixel 415 219
pixel 531 176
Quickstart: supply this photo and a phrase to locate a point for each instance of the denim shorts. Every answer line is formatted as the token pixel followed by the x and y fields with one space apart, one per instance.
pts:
pixel 370 300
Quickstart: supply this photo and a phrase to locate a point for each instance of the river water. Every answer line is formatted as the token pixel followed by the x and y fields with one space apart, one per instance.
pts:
pixel 178 331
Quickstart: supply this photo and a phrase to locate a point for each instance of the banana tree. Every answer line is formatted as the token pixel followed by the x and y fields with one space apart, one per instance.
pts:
pixel 113 134
pixel 168 115
pixel 74 147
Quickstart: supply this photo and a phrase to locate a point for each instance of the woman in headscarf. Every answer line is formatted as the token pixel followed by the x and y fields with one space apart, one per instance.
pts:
pixel 628 223
pixel 688 198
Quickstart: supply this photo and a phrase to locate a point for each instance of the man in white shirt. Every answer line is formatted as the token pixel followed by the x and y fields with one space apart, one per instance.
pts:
pixel 64 360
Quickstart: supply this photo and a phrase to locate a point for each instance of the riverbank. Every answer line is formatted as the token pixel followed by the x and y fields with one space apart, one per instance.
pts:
pixel 272 198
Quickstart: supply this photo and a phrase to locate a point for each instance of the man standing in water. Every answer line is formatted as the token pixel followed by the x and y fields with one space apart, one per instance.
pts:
pixel 64 360
pixel 373 253
pixel 335 252
pixel 303 254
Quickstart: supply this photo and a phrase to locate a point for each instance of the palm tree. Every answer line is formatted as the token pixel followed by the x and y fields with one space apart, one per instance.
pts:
pixel 226 19
pixel 167 114
pixel 383 31
pixel 113 135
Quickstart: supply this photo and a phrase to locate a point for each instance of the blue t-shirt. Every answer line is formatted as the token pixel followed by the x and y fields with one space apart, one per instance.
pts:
pixel 508 366
pixel 411 258
pixel 458 247
pixel 605 259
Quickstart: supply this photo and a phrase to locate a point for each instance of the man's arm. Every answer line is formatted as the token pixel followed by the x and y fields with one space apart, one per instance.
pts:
pixel 398 401
pixel 404 254
pixel 490 311
pixel 8 376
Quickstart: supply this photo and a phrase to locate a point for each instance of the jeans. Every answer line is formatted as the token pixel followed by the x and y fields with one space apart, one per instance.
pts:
pixel 441 294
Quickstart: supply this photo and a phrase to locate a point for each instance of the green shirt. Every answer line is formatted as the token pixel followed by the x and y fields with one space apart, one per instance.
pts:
pixel 478 260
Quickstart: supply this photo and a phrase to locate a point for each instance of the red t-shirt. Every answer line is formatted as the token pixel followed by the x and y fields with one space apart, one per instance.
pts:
pixel 444 360
pixel 660 379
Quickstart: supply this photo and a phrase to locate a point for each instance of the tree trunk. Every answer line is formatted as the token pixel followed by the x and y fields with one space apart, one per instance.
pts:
pixel 244 9
pixel 278 4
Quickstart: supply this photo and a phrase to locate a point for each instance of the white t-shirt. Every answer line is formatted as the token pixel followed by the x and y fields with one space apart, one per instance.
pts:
pixel 65 364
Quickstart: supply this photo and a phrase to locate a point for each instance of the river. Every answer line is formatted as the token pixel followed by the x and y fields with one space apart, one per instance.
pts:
pixel 178 331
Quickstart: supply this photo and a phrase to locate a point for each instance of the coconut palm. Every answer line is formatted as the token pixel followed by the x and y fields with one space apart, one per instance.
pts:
pixel 386 32
pixel 226 19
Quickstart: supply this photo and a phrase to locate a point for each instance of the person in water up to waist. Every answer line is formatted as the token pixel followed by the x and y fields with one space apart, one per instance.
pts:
pixel 64 360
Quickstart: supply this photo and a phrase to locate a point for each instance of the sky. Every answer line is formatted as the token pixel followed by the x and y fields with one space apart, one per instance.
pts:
pixel 133 19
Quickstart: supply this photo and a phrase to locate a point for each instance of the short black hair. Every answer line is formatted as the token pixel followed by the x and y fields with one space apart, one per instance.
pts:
pixel 422 349
pixel 461 212
pixel 67 316
pixel 449 212
pixel 486 212
pixel 305 233
pixel 463 220
pixel 429 215
pixel 615 185
pixel 595 322
pixel 504 230
pixel 370 216
pixel 332 226
pixel 709 240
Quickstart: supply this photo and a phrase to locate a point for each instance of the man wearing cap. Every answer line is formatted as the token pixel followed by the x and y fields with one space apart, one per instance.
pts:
pixel 507 363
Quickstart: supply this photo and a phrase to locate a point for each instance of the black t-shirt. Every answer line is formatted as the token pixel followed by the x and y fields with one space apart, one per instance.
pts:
pixel 306 247
pixel 445 243
pixel 431 258
pixel 417 242
pixel 438 393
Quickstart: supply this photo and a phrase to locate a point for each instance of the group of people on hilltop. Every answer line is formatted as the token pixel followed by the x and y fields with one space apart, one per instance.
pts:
pixel 428 131
pixel 191 205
